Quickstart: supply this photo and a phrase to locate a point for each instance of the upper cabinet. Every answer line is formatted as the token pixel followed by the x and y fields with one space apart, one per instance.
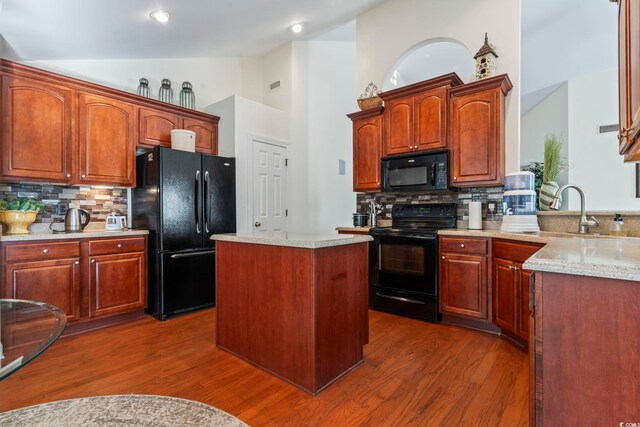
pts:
pixel 415 117
pixel 629 78
pixel 107 140
pixel 37 135
pixel 62 130
pixel 476 132
pixel 367 149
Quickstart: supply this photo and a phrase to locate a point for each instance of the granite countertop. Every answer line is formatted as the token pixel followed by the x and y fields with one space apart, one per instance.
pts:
pixel 539 237
pixel 49 235
pixel 354 229
pixel 607 258
pixel 294 240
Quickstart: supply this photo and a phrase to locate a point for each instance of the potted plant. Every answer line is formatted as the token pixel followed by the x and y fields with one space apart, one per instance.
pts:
pixel 19 214
pixel 554 163
pixel 538 172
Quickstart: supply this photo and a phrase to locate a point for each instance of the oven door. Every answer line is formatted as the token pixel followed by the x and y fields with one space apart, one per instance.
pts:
pixel 406 264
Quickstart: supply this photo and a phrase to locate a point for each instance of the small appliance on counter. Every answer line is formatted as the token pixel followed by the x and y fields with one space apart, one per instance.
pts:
pixel 115 222
pixel 475 216
pixel 360 219
pixel 519 204
pixel 75 220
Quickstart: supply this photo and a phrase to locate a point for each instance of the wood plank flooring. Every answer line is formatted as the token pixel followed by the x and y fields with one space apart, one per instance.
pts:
pixel 415 373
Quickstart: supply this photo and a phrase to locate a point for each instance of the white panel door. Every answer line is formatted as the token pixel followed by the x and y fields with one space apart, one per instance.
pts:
pixel 269 187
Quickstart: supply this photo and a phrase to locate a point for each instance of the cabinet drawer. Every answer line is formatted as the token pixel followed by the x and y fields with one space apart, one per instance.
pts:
pixel 514 251
pixel 116 246
pixel 464 245
pixel 42 251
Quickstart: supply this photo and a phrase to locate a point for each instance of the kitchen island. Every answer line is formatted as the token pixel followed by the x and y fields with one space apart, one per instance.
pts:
pixel 294 305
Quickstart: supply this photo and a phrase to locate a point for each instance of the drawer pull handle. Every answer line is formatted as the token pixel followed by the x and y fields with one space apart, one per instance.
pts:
pixel 77 263
pixel 443 257
pixel 92 261
pixel 46 251
pixel 119 245
pixel 462 245
pixel 68 175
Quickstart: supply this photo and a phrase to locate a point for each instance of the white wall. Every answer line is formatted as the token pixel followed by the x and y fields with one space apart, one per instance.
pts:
pixel 242 119
pixel 551 115
pixel 277 66
pixel 597 168
pixel 213 79
pixel 385 32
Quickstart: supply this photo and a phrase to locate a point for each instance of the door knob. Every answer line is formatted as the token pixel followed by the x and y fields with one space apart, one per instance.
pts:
pixel 258 224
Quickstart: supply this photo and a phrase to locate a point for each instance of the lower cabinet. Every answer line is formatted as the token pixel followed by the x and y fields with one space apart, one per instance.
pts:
pixel 464 278
pixel 87 279
pixel 511 287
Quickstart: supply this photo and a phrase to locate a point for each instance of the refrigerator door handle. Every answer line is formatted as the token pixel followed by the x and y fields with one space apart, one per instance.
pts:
pixel 198 192
pixel 206 202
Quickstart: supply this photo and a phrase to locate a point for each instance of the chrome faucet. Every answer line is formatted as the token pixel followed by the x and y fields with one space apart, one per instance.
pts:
pixel 585 223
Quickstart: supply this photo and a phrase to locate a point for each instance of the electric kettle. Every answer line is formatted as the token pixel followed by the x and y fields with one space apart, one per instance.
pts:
pixel 76 220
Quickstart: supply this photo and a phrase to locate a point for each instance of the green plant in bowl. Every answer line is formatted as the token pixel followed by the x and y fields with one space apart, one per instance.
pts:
pixel 19 213
pixel 554 164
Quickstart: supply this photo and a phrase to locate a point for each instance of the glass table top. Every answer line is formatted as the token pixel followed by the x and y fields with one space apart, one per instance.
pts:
pixel 27 328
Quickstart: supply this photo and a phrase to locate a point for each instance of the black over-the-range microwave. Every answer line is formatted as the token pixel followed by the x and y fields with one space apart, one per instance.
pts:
pixel 427 171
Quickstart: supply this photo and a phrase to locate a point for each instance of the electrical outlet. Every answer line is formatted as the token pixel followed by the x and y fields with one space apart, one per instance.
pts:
pixel 61 209
pixel 491 207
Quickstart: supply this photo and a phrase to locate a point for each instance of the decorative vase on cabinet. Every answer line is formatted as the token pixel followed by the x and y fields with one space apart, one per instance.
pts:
pixel 165 94
pixel 143 88
pixel 187 97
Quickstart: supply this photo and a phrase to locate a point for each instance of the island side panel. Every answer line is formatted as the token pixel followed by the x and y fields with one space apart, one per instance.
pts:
pixel 264 306
pixel 590 350
pixel 342 317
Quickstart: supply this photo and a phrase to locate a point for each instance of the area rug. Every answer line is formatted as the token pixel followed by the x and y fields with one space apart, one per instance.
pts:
pixel 120 410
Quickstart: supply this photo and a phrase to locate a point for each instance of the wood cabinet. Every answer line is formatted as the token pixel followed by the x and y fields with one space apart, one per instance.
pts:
pixel 511 288
pixel 37 135
pixel 415 117
pixel 476 132
pixel 87 279
pixel 629 78
pixel 63 130
pixel 464 278
pixel 367 149
pixel 107 141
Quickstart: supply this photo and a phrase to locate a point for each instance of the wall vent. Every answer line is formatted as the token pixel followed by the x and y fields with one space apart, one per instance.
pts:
pixel 608 128
pixel 274 85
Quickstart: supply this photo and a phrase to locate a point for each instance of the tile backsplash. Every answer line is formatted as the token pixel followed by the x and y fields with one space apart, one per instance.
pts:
pixel 98 201
pixel 461 198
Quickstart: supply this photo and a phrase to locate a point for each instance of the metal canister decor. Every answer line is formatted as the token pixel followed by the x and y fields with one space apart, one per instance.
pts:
pixel 187 97
pixel 165 94
pixel 143 88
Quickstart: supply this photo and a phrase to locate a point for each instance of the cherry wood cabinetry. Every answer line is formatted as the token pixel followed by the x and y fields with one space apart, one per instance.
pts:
pixel 464 278
pixel 367 149
pixel 94 282
pixel 511 288
pixel 629 78
pixel 476 132
pixel 415 117
pixel 37 136
pixel 585 344
pixel 107 140
pixel 63 130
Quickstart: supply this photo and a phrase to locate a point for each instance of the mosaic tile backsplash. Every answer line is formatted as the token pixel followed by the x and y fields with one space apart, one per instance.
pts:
pixel 98 201
pixel 461 198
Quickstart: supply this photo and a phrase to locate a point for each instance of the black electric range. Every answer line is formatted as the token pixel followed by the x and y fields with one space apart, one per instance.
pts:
pixel 404 273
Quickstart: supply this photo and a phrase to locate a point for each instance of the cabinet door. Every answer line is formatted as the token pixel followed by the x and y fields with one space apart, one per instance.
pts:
pixel 206 135
pixel 55 282
pixel 107 141
pixel 118 283
pixel 523 313
pixel 504 294
pixel 154 127
pixel 463 286
pixel 398 126
pixel 367 150
pixel 629 78
pixel 475 138
pixel 37 137
pixel 430 118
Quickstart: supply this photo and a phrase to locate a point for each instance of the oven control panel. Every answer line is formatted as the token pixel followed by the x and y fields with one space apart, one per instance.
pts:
pixel 447 210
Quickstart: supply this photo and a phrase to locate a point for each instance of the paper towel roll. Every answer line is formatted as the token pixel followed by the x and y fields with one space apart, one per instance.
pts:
pixel 475 215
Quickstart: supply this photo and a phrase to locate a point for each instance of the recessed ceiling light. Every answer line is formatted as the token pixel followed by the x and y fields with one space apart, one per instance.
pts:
pixel 161 16
pixel 296 28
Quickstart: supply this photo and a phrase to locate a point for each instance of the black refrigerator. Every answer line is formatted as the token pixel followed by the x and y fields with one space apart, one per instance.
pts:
pixel 182 198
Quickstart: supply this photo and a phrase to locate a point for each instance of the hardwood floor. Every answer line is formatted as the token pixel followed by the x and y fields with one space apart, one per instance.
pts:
pixel 415 373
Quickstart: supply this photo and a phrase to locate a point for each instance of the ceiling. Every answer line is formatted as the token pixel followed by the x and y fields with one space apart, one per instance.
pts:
pixel 562 39
pixel 122 29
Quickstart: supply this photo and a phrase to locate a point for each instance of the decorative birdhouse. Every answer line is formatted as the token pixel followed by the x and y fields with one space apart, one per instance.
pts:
pixel 485 60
